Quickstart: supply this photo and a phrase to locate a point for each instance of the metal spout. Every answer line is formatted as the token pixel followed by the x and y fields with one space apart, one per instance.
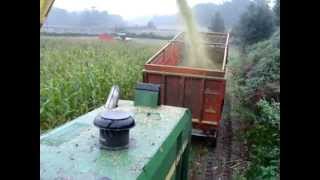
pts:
pixel 113 98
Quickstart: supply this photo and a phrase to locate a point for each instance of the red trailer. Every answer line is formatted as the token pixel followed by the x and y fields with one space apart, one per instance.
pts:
pixel 202 90
pixel 105 37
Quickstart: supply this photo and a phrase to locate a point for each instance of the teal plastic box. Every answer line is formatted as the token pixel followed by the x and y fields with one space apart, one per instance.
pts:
pixel 147 94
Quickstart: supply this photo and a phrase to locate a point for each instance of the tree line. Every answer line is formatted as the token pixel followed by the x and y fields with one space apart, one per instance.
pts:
pixel 255 89
pixel 86 18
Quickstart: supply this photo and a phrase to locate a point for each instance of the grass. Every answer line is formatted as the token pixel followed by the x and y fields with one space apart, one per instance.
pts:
pixel 255 91
pixel 198 156
pixel 76 74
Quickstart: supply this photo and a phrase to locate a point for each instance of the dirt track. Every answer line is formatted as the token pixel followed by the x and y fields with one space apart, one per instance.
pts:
pixel 218 163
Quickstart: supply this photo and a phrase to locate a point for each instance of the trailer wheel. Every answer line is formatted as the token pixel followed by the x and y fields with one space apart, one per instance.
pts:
pixel 216 135
pixel 214 142
pixel 213 138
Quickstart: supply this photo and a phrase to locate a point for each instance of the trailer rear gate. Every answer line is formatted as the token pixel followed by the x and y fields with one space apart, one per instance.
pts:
pixel 201 90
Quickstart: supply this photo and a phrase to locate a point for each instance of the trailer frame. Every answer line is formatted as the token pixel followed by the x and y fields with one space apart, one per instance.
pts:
pixel 201 90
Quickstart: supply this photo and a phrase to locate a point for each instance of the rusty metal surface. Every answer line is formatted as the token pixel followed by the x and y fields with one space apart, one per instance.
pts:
pixel 201 90
pixel 184 70
pixel 204 97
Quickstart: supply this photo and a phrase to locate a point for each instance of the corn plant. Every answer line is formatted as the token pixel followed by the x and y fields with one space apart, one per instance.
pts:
pixel 77 74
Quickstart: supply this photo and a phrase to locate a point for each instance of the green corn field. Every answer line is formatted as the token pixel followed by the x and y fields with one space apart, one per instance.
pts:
pixel 76 74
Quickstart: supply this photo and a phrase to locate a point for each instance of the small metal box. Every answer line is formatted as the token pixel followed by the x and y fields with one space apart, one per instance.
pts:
pixel 147 94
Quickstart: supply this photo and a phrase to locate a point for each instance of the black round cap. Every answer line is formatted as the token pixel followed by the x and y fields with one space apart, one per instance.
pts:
pixel 114 120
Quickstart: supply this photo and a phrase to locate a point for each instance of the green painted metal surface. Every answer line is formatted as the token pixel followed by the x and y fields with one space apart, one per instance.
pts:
pixel 158 149
pixel 146 98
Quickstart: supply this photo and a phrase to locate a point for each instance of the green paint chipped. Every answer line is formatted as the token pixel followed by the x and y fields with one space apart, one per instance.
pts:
pixel 64 135
pixel 155 142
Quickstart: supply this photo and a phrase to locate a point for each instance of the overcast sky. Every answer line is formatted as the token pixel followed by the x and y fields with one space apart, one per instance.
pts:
pixel 128 9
